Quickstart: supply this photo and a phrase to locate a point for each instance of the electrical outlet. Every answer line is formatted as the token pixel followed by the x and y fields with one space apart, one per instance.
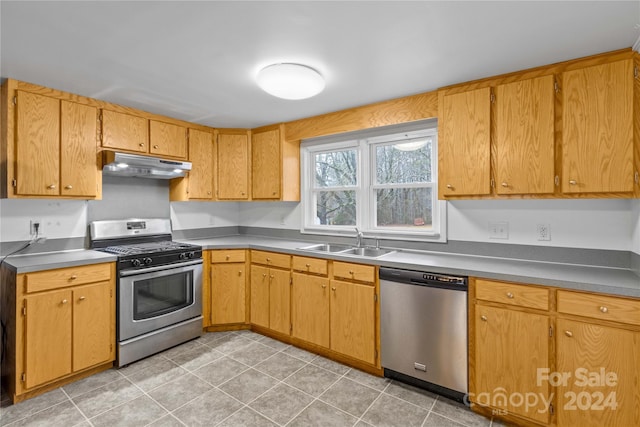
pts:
pixel 544 232
pixel 498 230
pixel 33 224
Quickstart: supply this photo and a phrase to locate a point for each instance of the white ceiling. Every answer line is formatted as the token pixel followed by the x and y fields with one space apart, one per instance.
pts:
pixel 197 60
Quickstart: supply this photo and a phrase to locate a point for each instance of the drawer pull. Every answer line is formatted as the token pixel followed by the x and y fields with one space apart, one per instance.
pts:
pixel 483 318
pixel 155 146
pixel 272 276
pixel 64 301
pixel 268 259
pixel 228 257
pixel 568 333
pixel 333 289
pixel 324 286
pixel 450 187
pixel 51 187
pixel 68 187
pixel 141 145
pixel 572 182
pixel 504 184
pixel 351 272
pixel 239 273
pixel 82 298
pixel 264 274
pixel 604 309
pixel 73 277
pixel 308 265
pixel 509 295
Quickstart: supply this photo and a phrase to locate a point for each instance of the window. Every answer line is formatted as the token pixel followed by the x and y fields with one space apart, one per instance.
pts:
pixel 384 184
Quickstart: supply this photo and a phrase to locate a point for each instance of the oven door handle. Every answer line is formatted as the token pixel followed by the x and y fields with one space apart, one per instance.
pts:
pixel 159 268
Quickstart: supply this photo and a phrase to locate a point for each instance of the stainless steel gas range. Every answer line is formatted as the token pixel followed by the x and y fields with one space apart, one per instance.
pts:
pixel 159 300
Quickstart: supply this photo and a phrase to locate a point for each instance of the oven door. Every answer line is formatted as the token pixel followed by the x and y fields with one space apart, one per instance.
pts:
pixel 153 298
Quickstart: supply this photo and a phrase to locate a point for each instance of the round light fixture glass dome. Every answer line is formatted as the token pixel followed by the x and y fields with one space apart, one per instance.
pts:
pixel 290 81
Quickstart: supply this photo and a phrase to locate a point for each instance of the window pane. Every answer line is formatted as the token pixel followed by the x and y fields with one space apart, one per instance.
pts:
pixel 404 207
pixel 335 169
pixel 336 208
pixel 404 162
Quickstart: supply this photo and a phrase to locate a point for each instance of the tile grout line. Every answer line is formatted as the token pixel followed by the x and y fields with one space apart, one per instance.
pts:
pixel 76 406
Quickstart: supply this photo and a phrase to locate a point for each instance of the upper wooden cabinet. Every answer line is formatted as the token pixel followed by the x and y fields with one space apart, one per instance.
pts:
pixel 55 147
pixel 275 165
pixel 166 139
pixel 464 144
pixel 198 184
pixel 233 150
pixel 125 131
pixel 524 137
pixel 597 128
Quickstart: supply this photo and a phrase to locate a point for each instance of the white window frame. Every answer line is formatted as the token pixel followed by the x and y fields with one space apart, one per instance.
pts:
pixel 366 186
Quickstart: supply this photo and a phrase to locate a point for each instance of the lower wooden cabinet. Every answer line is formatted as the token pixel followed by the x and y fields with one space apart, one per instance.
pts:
pixel 510 348
pixel 310 308
pixel 271 291
pixel 352 312
pixel 59 324
pixel 228 287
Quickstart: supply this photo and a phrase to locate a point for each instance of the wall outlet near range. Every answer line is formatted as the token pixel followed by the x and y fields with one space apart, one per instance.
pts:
pixel 35 226
pixel 498 230
pixel 544 232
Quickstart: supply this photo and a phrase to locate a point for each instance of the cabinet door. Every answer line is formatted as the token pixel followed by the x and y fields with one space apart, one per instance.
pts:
pixel 280 300
pixel 92 323
pixel 510 347
pixel 525 137
pixel 228 293
pixel 47 337
pixel 167 139
pixel 260 295
pixel 597 129
pixel 37 145
pixel 233 167
pixel 587 350
pixel 265 165
pixel 464 145
pixel 353 330
pixel 201 157
pixel 78 127
pixel 124 131
pixel 310 308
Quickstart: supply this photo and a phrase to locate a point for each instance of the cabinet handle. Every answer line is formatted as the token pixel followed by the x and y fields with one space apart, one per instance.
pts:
pixel 155 146
pixel 242 193
pixel 208 193
pixel 73 277
pixel 504 184
pixel 273 194
pixel 228 257
pixel 572 182
pixel 308 265
pixel 271 277
pixel 333 289
pixel 141 145
pixel 82 298
pixel 568 333
pixel 268 259
pixel 509 295
pixel 324 286
pixel 483 318
pixel 351 272
pixel 51 187
pixel 450 187
pixel 239 273
pixel 264 274
pixel 68 187
pixel 604 309
pixel 64 301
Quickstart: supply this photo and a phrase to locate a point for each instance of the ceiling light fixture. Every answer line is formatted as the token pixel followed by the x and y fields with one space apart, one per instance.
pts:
pixel 290 81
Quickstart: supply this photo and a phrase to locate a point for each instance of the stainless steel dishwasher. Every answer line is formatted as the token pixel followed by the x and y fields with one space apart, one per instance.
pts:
pixel 423 330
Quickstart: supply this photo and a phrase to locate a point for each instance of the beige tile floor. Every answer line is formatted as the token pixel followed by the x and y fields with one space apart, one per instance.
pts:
pixel 237 379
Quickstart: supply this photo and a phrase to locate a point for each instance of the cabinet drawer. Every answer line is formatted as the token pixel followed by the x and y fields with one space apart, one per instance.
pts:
pixel 310 265
pixel 599 307
pixel 71 276
pixel 271 259
pixel 231 255
pixel 509 293
pixel 363 273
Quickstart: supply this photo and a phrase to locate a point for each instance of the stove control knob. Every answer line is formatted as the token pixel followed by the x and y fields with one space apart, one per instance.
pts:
pixel 147 261
pixel 135 262
pixel 182 255
pixel 191 255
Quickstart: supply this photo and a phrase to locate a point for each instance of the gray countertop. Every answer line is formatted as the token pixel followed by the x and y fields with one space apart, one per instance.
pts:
pixel 60 259
pixel 616 281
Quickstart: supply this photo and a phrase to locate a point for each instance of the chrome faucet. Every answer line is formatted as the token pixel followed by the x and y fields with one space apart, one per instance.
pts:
pixel 359 237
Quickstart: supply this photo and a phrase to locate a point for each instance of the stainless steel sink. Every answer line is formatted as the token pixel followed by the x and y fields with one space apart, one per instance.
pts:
pixel 326 247
pixel 347 250
pixel 367 252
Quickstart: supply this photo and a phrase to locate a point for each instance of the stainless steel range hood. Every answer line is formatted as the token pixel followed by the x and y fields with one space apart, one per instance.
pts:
pixel 139 166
